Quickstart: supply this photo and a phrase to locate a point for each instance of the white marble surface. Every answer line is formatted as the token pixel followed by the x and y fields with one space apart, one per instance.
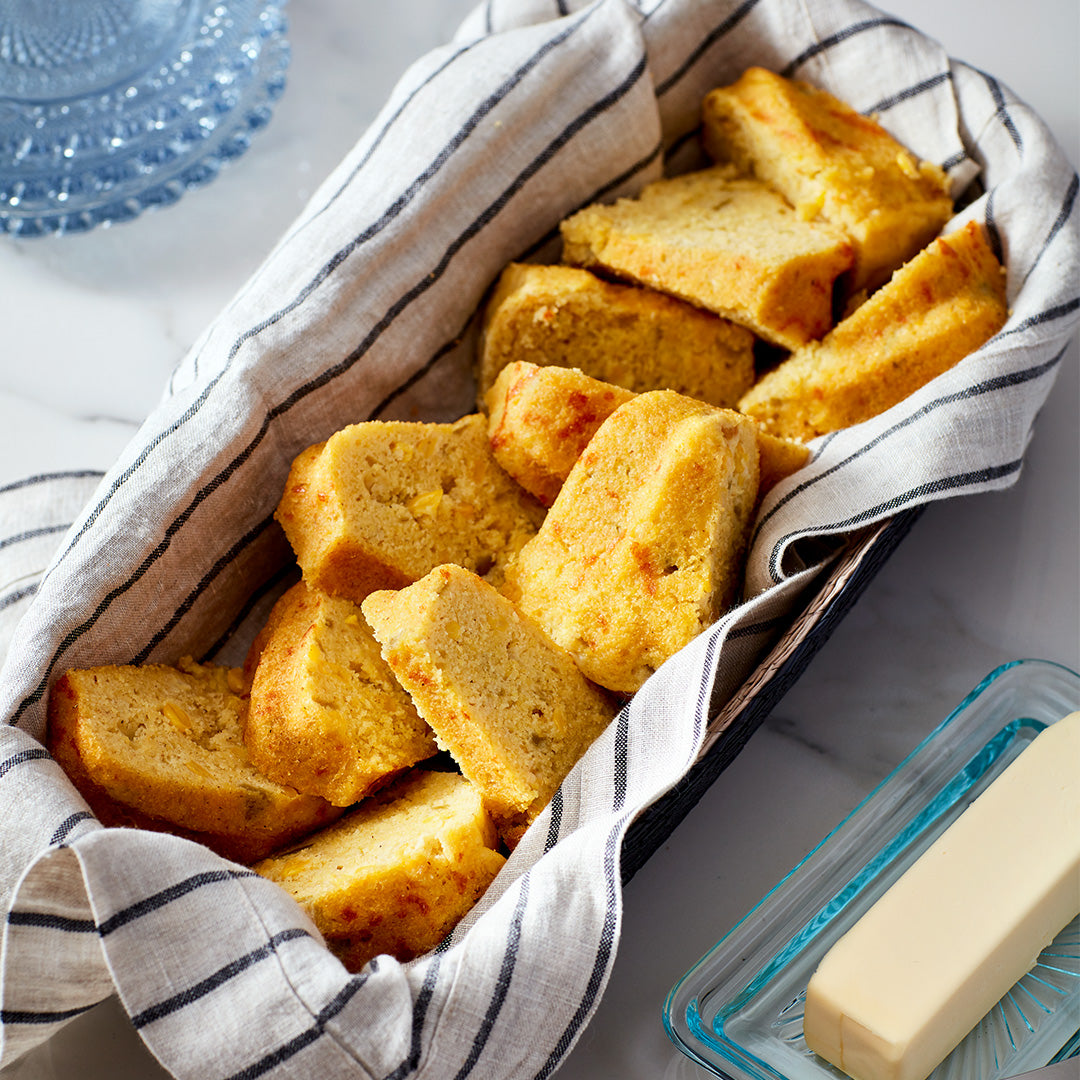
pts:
pixel 93 325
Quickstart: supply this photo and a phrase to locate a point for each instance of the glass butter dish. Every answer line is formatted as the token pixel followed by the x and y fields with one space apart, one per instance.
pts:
pixel 738 1011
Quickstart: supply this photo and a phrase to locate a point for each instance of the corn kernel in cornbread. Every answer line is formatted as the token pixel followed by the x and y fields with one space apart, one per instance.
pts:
pixel 326 714
pixel 936 309
pixel 161 747
pixel 832 164
pixel 381 503
pixel 632 337
pixel 396 874
pixel 726 243
pixel 540 419
pixel 643 547
pixel 509 705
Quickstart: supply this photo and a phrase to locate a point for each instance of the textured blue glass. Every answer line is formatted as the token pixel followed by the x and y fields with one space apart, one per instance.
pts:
pixel 108 107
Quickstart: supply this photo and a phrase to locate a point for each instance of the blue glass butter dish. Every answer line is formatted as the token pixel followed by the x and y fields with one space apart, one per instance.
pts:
pixel 738 1011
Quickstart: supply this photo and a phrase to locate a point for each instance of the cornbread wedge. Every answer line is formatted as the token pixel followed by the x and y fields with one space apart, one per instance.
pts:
pixel 379 504
pixel 160 747
pixel 540 419
pixel 935 310
pixel 396 874
pixel 725 243
pixel 625 335
pixel 643 547
pixel 326 714
pixel 832 164
pixel 510 705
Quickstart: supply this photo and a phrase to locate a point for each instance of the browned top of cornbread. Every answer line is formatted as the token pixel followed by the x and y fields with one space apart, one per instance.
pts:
pixel 726 243
pixel 510 705
pixel 629 336
pixel 831 163
pixel 380 503
pixel 540 419
pixel 643 547
pixel 326 714
pixel 166 742
pixel 396 874
pixel 939 307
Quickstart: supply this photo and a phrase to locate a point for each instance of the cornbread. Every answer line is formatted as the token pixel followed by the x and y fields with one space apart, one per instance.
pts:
pixel 509 704
pixel 326 714
pixel 380 503
pixel 726 243
pixel 832 164
pixel 632 337
pixel 777 459
pixel 160 747
pixel 643 547
pixel 396 874
pixel 540 419
pixel 936 309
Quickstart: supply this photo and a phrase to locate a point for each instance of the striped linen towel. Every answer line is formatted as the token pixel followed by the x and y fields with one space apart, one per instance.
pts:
pixel 365 309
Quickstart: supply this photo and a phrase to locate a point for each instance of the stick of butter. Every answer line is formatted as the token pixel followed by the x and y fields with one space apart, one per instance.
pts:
pixel 968 919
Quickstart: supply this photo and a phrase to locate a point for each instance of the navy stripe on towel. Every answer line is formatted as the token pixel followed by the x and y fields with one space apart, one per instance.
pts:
pixel 502 983
pixel 52 922
pixel 167 896
pixel 305 1038
pixel 16 1016
pixel 217 979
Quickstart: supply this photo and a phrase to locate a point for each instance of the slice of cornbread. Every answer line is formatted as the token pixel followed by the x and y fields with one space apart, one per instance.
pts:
pixel 326 714
pixel 726 243
pixel 936 309
pixel 832 164
pixel 396 874
pixel 509 704
pixel 632 337
pixel 161 747
pixel 380 503
pixel 540 419
pixel 643 547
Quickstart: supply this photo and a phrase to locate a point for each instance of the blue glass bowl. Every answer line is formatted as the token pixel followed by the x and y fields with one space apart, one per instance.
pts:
pixel 738 1011
pixel 108 107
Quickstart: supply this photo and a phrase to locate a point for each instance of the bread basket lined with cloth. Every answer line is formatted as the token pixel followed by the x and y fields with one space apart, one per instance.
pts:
pixel 366 309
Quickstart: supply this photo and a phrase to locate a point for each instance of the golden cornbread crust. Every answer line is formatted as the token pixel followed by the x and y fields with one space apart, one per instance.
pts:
pixel 631 337
pixel 509 704
pixel 326 714
pixel 935 310
pixel 160 747
pixel 396 874
pixel 723 242
pixel 540 419
pixel 380 503
pixel 643 547
pixel 831 163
